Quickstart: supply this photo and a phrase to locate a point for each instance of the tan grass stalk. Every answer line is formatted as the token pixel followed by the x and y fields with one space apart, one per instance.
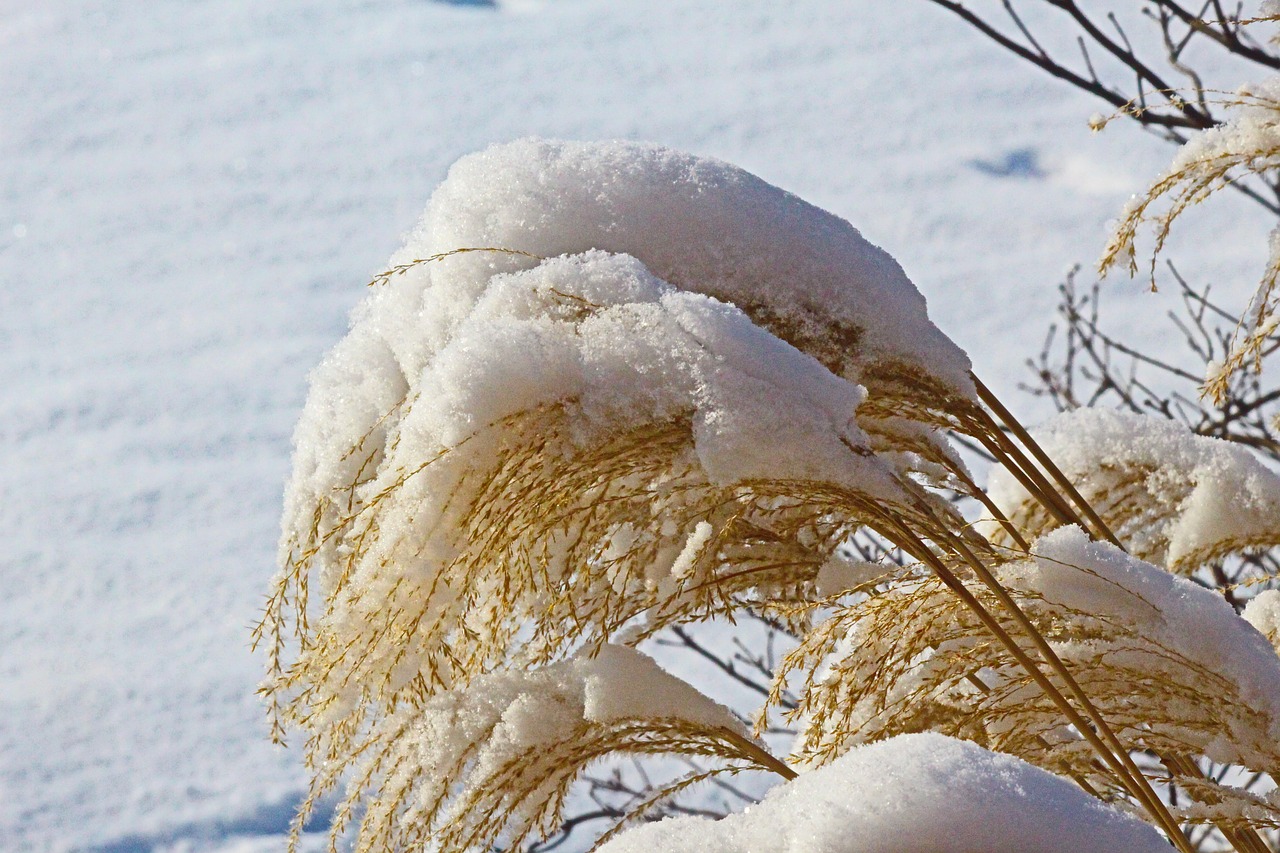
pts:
pixel 976 681
pixel 1038 452
pixel 978 494
pixel 1108 746
pixel 1007 454
pixel 1144 792
pixel 1244 837
pixel 990 399
pixel 400 269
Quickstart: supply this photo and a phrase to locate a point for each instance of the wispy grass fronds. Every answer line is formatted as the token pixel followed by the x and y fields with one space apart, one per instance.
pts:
pixel 1174 498
pixel 911 657
pixel 505 476
pixel 491 764
pixel 402 268
pixel 1247 144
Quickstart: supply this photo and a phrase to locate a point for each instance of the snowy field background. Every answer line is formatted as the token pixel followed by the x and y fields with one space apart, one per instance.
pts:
pixel 192 196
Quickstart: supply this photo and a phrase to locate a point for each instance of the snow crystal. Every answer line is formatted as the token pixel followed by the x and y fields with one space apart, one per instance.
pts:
pixel 921 793
pixel 1173 497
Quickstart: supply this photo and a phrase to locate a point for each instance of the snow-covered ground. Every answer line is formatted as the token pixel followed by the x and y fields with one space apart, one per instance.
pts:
pixel 192 196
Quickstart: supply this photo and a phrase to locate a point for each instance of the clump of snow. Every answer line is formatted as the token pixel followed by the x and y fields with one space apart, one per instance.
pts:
pixel 523 735
pixel 616 347
pixel 1252 131
pixel 1263 613
pixel 620 683
pixel 1197 634
pixel 1173 497
pixel 840 573
pixel 670 285
pixel 701 224
pixel 693 547
pixel 504 715
pixel 921 793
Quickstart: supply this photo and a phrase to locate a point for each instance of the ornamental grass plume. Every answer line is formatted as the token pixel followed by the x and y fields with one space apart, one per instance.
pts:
pixel 611 388
pixel 1176 499
pixel 906 656
pixel 1247 144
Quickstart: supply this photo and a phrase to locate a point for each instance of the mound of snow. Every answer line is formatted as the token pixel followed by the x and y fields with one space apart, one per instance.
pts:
pixel 921 793
pixel 700 224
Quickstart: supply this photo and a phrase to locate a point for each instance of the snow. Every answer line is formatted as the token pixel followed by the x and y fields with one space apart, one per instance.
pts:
pixel 1191 626
pixel 1263 613
pixel 921 793
pixel 191 198
pixel 700 224
pixel 1185 498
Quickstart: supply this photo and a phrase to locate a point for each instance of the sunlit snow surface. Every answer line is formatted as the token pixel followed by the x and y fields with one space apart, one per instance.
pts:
pixel 191 198
pixel 919 793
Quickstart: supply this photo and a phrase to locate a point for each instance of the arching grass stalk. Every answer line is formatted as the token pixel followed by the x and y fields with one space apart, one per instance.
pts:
pixel 1020 431
pixel 1094 729
pixel 1244 838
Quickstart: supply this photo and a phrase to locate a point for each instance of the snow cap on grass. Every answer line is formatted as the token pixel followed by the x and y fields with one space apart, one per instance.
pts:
pixel 701 224
pixel 1246 142
pixel 1183 635
pixel 1174 498
pixel 1167 662
pixel 921 793
pixel 494 759
pixel 601 333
